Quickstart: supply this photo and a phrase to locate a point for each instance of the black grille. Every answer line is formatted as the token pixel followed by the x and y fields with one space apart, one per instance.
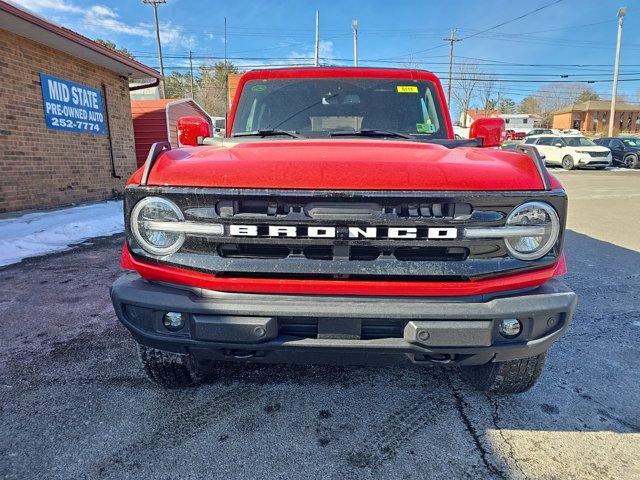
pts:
pixel 331 210
pixel 369 330
pixel 329 252
pixel 382 257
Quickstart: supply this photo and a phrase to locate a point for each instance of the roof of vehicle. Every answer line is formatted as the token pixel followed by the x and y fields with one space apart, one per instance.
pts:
pixel 561 135
pixel 337 72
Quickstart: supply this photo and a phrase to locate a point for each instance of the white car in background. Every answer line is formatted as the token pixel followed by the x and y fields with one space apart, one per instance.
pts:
pixel 571 151
pixel 461 132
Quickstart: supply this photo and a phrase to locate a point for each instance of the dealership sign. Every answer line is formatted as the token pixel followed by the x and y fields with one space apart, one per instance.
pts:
pixel 72 107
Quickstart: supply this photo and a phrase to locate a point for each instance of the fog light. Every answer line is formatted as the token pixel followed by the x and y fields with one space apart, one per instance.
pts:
pixel 173 321
pixel 510 327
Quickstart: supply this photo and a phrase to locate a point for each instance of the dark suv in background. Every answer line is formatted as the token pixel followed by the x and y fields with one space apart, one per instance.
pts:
pixel 624 150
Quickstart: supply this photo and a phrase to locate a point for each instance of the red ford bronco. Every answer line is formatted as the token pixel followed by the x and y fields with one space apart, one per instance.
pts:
pixel 339 221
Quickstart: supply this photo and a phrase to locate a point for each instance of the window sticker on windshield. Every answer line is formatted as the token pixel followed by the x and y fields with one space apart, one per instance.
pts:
pixel 407 89
pixel 258 88
pixel 425 128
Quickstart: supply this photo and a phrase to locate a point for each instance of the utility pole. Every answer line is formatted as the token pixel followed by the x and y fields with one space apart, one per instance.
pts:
pixel 354 26
pixel 622 11
pixel 191 71
pixel 317 56
pixel 154 4
pixel 226 75
pixel 452 39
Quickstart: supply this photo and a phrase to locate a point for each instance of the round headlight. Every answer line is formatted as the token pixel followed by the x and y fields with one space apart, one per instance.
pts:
pixel 147 219
pixel 533 214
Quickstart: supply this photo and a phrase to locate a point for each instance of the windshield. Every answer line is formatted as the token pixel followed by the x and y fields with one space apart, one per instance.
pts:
pixel 578 142
pixel 631 142
pixel 320 107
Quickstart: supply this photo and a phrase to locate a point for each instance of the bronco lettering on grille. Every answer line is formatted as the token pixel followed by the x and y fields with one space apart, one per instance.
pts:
pixel 432 233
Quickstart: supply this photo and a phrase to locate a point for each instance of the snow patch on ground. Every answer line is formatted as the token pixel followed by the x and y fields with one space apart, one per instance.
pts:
pixel 40 233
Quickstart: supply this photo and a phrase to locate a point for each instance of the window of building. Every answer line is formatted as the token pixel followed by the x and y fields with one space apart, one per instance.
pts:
pixel 595 121
pixel 506 120
pixel 525 120
pixel 637 121
pixel 621 123
pixel 629 117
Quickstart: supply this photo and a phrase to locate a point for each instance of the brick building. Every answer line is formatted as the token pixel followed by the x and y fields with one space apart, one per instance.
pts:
pixel 592 117
pixel 66 133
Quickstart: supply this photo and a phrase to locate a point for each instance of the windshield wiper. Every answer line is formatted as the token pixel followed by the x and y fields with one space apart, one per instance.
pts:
pixel 269 132
pixel 370 133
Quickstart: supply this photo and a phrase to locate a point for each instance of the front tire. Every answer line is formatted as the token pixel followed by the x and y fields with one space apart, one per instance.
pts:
pixel 170 370
pixel 631 161
pixel 568 163
pixel 513 376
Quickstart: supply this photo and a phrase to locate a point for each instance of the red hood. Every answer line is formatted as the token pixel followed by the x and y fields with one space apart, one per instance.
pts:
pixel 345 165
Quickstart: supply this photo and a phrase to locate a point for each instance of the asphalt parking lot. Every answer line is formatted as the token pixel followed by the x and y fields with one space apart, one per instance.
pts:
pixel 74 403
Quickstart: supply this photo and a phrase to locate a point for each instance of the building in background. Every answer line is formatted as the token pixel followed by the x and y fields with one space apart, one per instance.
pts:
pixel 66 133
pixel 521 122
pixel 157 121
pixel 592 117
pixel 471 115
pixel 144 93
pixel 233 79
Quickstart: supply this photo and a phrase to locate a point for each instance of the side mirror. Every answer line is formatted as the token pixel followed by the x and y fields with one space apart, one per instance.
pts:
pixel 219 124
pixel 190 128
pixel 490 130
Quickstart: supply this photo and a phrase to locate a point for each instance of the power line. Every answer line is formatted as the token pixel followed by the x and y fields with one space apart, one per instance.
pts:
pixel 479 74
pixel 513 19
pixel 486 78
pixel 568 27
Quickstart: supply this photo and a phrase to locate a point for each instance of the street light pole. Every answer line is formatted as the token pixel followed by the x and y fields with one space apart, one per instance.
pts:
pixel 316 61
pixel 154 4
pixel 191 71
pixel 622 11
pixel 354 25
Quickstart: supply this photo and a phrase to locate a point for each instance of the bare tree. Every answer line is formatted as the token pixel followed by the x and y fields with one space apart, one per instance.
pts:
pixel 465 85
pixel 556 95
pixel 486 91
pixel 212 91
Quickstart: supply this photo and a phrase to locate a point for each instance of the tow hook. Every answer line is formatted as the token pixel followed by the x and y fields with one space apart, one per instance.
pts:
pixel 441 359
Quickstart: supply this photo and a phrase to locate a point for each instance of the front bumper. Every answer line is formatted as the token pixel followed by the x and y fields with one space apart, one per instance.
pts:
pixel 343 329
pixel 589 161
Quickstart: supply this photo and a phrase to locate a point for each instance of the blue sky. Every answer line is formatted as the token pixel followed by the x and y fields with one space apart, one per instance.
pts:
pixel 393 33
